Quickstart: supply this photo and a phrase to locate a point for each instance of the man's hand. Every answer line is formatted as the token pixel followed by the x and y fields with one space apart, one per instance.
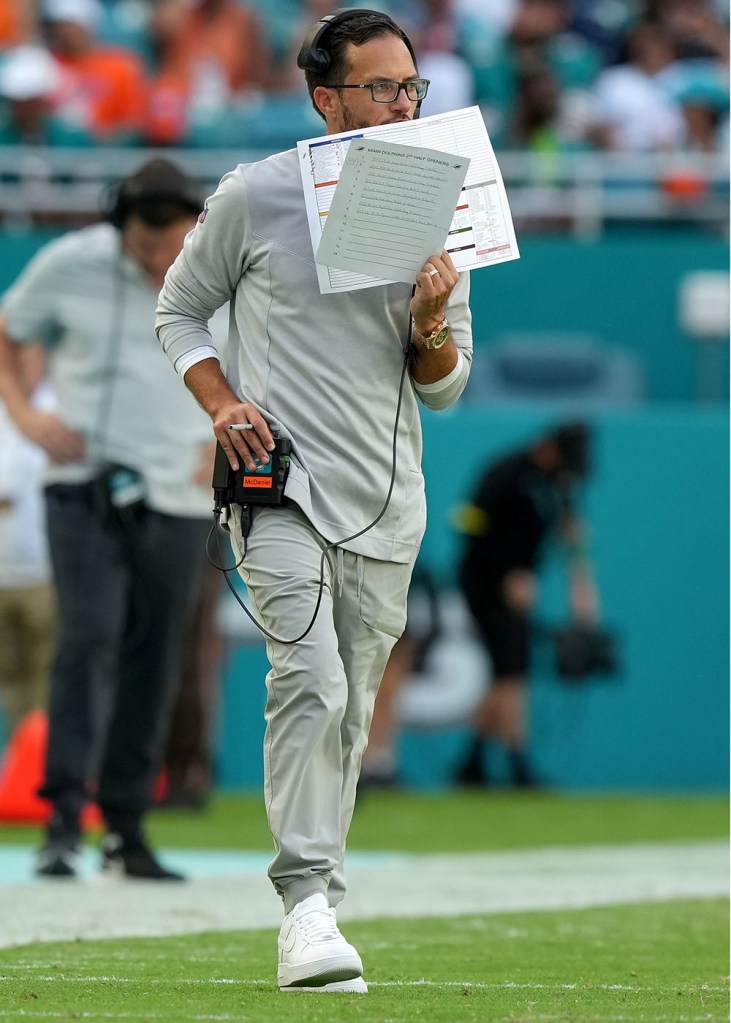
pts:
pixel 212 392
pixel 203 472
pixel 434 284
pixel 45 429
pixel 520 590
pixel 584 599
pixel 251 445
pixel 20 370
pixel 432 292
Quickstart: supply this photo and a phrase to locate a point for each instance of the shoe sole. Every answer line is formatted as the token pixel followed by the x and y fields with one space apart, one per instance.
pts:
pixel 56 870
pixel 354 986
pixel 116 870
pixel 57 866
pixel 317 974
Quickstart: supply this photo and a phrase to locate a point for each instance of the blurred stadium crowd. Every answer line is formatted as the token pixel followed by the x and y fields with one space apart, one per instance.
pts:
pixel 550 75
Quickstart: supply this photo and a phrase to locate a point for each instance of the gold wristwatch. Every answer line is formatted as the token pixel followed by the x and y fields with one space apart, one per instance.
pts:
pixel 434 340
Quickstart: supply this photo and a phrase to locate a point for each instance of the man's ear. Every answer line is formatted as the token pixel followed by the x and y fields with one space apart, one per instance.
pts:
pixel 324 98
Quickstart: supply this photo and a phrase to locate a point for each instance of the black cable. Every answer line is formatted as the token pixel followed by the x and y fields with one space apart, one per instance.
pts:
pixel 112 355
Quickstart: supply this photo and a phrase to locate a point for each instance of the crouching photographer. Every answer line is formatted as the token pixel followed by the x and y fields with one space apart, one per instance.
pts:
pixel 524 500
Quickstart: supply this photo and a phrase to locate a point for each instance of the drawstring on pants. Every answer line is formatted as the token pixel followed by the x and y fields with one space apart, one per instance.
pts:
pixel 339 569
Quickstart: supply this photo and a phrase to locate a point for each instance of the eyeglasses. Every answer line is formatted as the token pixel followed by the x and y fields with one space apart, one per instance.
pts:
pixel 388 92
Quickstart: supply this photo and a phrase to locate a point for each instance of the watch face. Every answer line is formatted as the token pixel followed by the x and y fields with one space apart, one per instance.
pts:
pixel 441 337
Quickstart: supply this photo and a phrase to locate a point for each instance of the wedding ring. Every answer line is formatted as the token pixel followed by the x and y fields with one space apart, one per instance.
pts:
pixel 433 271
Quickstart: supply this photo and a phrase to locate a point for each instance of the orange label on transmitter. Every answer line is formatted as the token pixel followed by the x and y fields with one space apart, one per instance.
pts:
pixel 261 482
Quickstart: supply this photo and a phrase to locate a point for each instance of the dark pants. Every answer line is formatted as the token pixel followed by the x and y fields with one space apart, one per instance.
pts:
pixel 126 583
pixel 504 631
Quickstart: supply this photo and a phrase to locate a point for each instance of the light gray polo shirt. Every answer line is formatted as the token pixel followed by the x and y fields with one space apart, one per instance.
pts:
pixel 323 369
pixel 95 311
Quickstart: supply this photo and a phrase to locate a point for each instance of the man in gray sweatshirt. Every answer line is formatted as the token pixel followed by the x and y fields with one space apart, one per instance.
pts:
pixel 340 376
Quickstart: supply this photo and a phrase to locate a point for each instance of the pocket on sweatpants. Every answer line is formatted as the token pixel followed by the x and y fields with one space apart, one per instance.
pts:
pixel 383 592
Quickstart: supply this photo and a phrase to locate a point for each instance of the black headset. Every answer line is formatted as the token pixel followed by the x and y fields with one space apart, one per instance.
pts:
pixel 314 57
pixel 159 181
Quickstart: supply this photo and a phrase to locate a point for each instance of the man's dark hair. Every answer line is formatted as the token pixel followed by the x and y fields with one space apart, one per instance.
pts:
pixel 358 27
pixel 573 441
pixel 159 193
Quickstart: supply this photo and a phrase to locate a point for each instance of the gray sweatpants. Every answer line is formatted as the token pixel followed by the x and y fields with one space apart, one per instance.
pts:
pixel 320 690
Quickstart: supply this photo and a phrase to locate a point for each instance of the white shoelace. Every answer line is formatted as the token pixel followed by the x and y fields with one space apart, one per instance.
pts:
pixel 319 925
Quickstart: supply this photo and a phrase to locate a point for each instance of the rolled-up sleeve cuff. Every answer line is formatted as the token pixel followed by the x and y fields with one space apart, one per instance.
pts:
pixel 445 392
pixel 183 364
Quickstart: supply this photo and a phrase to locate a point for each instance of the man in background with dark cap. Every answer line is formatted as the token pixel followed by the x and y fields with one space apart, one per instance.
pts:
pixel 523 500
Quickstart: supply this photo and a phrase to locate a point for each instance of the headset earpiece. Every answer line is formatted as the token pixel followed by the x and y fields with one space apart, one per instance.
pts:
pixel 117 212
pixel 311 56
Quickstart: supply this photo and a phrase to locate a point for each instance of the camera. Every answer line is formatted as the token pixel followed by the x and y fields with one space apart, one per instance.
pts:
pixel 583 650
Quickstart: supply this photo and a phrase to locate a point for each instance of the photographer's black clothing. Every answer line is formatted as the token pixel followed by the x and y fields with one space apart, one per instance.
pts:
pixel 515 507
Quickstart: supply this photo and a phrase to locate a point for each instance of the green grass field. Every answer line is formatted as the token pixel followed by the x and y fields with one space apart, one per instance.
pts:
pixel 452 821
pixel 643 963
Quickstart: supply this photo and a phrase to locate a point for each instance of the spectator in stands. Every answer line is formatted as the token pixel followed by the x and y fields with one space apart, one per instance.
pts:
pixel 633 109
pixel 102 89
pixel 699 77
pixel 604 24
pixel 18 22
pixel 209 54
pixel 29 76
pixel 695 27
pixel 544 119
pixel 522 500
pixel 482 30
pixel 701 88
pixel 541 33
pixel 435 37
pixel 538 35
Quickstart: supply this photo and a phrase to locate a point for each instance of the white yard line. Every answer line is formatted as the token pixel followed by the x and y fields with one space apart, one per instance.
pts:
pixel 379 886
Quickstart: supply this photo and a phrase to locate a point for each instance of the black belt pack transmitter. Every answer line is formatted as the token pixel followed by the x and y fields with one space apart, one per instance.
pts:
pixel 263 485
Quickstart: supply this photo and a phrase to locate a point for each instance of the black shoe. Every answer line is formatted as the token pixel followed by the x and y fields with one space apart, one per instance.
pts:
pixel 524 777
pixel 472 776
pixel 472 771
pixel 131 857
pixel 60 854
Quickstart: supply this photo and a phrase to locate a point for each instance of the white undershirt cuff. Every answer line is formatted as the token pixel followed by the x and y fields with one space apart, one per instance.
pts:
pixel 183 364
pixel 445 382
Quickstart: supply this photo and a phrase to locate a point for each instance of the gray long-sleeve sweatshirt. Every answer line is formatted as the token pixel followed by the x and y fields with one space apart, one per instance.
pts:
pixel 324 370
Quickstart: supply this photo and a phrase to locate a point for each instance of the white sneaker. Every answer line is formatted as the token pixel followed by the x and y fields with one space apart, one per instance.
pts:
pixel 313 953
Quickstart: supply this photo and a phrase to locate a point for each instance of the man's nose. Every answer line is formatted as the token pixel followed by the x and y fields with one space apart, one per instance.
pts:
pixel 402 101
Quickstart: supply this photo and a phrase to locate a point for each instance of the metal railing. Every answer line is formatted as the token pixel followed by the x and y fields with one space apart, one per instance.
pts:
pixel 579 193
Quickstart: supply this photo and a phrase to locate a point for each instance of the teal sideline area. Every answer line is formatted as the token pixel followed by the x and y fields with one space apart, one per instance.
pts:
pixel 621 292
pixel 659 527
pixel 658 506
